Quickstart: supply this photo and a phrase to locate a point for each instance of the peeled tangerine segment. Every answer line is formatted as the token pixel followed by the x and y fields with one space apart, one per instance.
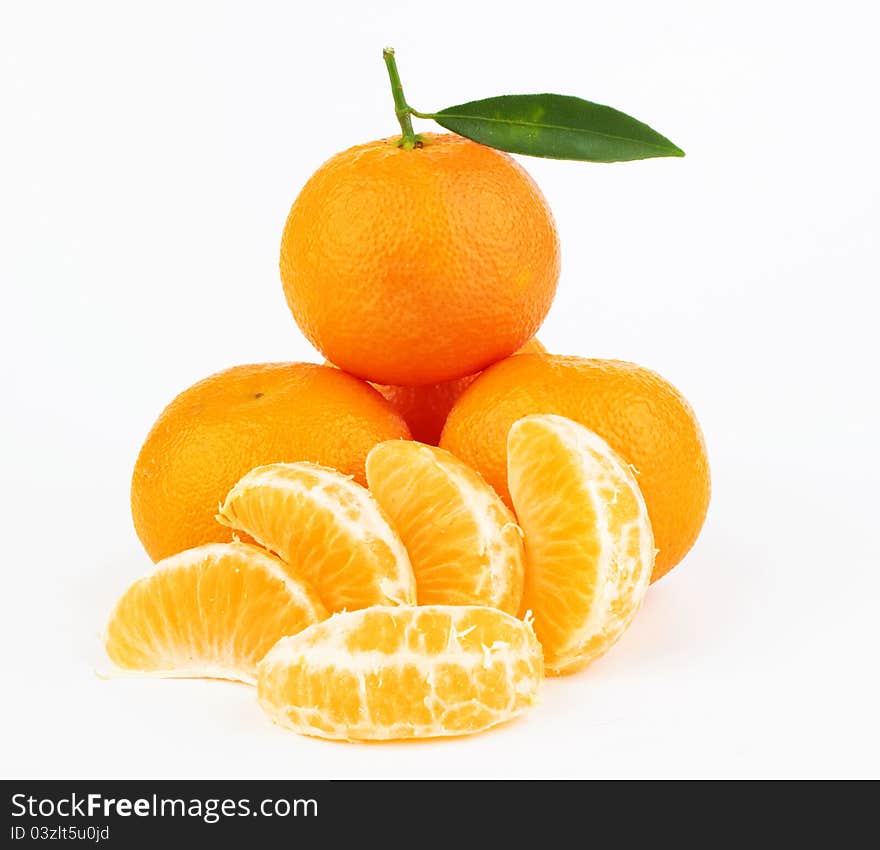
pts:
pixel 328 529
pixel 588 540
pixel 464 544
pixel 386 673
pixel 212 611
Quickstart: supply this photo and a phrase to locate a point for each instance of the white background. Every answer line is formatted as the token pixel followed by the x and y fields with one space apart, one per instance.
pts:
pixel 149 154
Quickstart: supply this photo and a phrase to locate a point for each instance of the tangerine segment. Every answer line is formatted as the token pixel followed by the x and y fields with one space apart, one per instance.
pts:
pixel 388 673
pixel 213 611
pixel 464 544
pixel 328 529
pixel 589 545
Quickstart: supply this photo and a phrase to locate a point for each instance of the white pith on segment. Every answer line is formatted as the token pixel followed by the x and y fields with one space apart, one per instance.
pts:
pixel 497 539
pixel 322 654
pixel 356 517
pixel 480 503
pixel 188 654
pixel 617 575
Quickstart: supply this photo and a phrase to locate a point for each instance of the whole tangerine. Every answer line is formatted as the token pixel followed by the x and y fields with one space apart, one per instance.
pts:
pixel 220 428
pixel 637 412
pixel 415 267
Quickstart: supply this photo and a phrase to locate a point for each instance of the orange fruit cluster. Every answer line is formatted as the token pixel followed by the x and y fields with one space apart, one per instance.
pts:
pixel 403 546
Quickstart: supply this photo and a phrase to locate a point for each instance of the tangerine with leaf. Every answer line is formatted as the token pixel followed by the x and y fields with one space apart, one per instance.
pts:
pixel 420 259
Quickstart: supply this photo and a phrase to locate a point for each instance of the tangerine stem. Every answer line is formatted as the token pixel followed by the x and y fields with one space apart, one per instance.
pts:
pixel 402 110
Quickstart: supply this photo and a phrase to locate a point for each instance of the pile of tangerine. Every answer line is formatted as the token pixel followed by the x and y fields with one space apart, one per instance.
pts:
pixel 401 542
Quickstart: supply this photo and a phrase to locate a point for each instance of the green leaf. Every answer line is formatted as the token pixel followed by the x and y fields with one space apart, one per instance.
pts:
pixel 555 126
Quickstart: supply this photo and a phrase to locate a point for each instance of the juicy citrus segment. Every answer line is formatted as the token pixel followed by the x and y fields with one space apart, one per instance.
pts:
pixel 589 545
pixel 213 611
pixel 464 544
pixel 387 673
pixel 327 528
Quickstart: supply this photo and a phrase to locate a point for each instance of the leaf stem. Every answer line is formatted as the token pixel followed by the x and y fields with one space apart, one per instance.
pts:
pixel 402 110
